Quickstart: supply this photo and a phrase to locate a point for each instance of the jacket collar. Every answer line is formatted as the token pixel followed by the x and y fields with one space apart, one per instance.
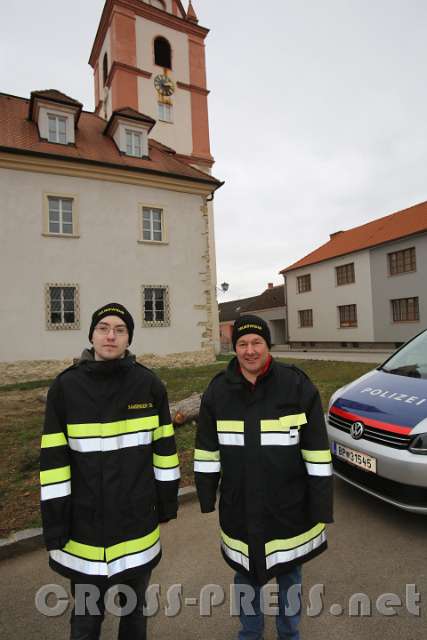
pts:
pixel 105 367
pixel 234 375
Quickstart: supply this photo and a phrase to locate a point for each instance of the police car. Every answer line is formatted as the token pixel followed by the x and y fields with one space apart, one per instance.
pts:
pixel 377 427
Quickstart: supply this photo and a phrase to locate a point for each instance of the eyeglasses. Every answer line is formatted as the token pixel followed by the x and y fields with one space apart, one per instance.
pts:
pixel 104 330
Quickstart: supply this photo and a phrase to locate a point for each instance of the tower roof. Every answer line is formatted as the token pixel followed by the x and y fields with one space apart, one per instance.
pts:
pixel 191 14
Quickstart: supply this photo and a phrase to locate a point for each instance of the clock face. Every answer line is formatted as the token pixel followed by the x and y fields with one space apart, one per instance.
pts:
pixel 164 85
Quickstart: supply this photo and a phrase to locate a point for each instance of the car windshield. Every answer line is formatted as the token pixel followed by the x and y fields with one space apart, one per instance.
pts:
pixel 411 360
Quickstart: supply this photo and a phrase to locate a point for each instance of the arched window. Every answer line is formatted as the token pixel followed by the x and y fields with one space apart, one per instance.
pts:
pixel 162 53
pixel 105 69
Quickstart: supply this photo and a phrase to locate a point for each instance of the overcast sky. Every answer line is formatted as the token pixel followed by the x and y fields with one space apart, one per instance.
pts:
pixel 318 113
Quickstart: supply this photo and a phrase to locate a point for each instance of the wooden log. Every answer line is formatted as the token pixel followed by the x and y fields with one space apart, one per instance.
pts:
pixel 186 410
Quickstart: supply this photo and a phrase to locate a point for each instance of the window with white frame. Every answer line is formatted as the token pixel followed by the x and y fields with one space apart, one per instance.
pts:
pixel 152 224
pixel 165 112
pixel 133 143
pixel 60 216
pixel 155 306
pixel 62 306
pixel 57 129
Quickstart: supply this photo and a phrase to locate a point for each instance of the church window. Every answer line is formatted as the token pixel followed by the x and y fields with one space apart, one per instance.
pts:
pixel 105 69
pixel 60 216
pixel 155 306
pixel 152 224
pixel 165 112
pixel 162 53
pixel 57 129
pixel 62 306
pixel 133 143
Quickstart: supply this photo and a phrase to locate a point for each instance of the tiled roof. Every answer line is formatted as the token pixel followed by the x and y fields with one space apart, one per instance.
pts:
pixel 392 227
pixel 232 309
pixel 56 96
pixel 19 134
pixel 269 299
pixel 129 114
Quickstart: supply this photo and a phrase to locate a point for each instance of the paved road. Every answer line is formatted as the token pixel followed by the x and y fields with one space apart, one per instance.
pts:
pixel 373 549
pixel 375 357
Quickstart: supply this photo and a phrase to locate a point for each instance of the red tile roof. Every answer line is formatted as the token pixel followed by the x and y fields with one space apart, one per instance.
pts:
pixel 19 134
pixel 56 96
pixel 129 114
pixel 392 227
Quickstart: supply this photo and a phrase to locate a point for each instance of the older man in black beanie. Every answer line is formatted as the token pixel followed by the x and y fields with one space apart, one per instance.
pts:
pixel 262 433
pixel 109 475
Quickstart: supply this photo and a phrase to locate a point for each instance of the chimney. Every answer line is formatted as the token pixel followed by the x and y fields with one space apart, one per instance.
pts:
pixel 335 234
pixel 270 285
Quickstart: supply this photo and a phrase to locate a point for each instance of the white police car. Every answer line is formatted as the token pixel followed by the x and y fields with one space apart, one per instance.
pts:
pixel 377 427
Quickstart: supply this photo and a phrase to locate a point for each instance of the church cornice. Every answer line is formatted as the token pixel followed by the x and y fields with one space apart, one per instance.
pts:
pixel 37 162
pixel 143 10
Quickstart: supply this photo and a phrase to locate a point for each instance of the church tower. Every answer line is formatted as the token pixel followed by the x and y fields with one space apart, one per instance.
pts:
pixel 149 55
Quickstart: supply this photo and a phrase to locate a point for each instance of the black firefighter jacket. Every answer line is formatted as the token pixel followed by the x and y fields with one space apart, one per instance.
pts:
pixel 109 470
pixel 268 446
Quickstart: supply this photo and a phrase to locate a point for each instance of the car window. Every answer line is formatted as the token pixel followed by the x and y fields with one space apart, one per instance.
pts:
pixel 410 360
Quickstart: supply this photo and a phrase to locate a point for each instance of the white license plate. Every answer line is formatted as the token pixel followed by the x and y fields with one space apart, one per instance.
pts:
pixel 361 460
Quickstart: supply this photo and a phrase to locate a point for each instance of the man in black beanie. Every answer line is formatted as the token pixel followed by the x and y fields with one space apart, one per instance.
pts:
pixel 261 431
pixel 109 474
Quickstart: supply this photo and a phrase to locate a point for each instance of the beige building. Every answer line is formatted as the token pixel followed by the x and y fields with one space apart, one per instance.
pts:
pixel 366 287
pixel 113 205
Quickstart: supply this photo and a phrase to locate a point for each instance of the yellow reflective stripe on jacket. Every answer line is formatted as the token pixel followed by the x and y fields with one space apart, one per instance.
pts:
pixel 84 550
pixel 201 454
pixel 164 431
pixel 237 545
pixel 230 426
pixel 324 455
pixel 296 541
pixel 55 475
pixel 285 423
pixel 53 440
pixel 165 462
pixel 132 546
pixel 106 429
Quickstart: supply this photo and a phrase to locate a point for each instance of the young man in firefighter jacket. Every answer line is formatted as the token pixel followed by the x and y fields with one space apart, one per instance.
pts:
pixel 262 434
pixel 109 472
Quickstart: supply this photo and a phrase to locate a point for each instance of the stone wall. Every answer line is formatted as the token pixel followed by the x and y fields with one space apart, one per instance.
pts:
pixel 25 370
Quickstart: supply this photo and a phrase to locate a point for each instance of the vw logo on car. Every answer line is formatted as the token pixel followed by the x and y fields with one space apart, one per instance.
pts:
pixel 356 430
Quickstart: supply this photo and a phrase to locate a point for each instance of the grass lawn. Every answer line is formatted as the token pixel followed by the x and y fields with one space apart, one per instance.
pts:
pixel 21 417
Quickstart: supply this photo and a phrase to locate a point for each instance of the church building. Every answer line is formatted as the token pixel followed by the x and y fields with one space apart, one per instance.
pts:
pixel 115 204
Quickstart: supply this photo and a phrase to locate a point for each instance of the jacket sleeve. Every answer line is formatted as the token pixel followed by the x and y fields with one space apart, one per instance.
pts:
pixel 165 459
pixel 207 465
pixel 55 472
pixel 316 454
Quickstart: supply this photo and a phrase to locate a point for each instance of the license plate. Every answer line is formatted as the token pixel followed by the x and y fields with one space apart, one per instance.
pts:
pixel 361 460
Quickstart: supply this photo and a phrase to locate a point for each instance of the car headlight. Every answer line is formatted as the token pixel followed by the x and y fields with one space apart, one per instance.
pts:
pixel 419 444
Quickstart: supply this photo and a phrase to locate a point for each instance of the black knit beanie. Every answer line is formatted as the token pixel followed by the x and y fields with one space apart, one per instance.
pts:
pixel 112 309
pixel 250 324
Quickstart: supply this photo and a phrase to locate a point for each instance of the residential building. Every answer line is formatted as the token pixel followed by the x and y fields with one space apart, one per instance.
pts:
pixel 269 305
pixel 365 287
pixel 113 204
